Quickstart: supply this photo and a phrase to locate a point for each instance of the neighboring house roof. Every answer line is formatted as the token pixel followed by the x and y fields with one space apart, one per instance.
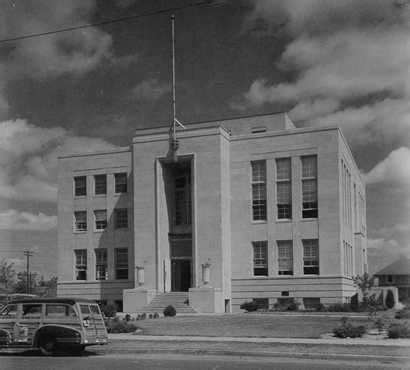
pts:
pixel 400 267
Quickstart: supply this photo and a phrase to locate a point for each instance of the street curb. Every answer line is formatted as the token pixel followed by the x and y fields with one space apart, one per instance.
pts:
pixel 306 341
pixel 265 354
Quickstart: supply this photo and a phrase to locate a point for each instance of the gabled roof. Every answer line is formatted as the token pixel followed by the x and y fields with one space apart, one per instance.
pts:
pixel 400 267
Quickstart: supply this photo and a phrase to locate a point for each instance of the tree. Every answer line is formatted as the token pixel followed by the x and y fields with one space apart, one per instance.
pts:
pixel 364 283
pixel 38 285
pixel 7 274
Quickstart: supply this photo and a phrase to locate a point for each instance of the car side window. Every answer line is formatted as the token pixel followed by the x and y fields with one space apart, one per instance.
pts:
pixel 59 310
pixel 31 311
pixel 95 309
pixel 85 309
pixel 9 311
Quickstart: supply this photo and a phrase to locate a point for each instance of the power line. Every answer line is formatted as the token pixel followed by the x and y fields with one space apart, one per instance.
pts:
pixel 109 21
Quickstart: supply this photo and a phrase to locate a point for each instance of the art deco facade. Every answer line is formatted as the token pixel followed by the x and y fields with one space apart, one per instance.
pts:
pixel 254 208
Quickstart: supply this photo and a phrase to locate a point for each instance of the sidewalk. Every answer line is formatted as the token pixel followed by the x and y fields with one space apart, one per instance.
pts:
pixel 389 351
pixel 315 341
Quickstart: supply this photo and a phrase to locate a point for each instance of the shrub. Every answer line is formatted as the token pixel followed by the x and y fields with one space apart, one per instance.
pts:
pixel 143 316
pixel 127 317
pixel 403 314
pixel 293 307
pixel 399 330
pixel 170 311
pixel 339 307
pixel 156 315
pixel 347 330
pixel 321 307
pixel 389 299
pixel 117 326
pixel 109 310
pixel 249 306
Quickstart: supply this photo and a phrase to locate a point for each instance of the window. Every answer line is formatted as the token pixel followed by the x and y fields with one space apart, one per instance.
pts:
pixel 259 190
pixel 80 186
pixel 120 182
pixel 283 188
pixel 59 310
pixel 310 257
pixel 80 264
pixel 258 130
pixel 121 263
pixel 260 259
pixel 121 218
pixel 285 257
pixel 100 219
pixel 183 200
pixel 309 186
pixel 31 311
pixel 80 220
pixel 100 182
pixel 9 311
pixel 101 264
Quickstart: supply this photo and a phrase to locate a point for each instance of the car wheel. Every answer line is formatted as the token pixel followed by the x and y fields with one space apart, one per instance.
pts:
pixel 47 346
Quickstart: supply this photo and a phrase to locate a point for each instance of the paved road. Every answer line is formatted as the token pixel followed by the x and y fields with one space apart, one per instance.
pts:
pixel 127 361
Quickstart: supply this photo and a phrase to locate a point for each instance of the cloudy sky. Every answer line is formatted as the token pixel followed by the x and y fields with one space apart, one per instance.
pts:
pixel 342 62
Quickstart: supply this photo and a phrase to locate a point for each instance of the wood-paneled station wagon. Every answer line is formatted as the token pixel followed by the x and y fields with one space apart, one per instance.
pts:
pixel 52 324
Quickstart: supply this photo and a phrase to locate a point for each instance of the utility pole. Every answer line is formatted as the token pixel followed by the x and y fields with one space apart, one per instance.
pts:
pixel 28 254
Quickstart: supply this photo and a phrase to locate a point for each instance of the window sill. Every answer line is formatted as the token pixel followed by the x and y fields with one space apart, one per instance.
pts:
pixel 100 195
pixel 119 194
pixel 100 230
pixel 80 196
pixel 309 219
pixel 79 231
pixel 257 222
pixel 260 277
pixel 283 220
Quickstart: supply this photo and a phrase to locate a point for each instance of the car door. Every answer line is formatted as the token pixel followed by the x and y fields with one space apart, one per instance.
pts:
pixel 8 320
pixel 30 321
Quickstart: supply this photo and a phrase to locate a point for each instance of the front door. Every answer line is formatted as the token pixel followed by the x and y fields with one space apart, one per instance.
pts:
pixel 180 275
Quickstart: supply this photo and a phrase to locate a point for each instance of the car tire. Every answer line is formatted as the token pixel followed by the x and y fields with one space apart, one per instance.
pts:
pixel 47 346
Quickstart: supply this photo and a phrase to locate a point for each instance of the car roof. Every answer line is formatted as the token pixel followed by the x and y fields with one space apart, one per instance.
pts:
pixel 70 301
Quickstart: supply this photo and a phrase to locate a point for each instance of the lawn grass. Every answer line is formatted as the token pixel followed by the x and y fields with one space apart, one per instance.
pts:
pixel 245 325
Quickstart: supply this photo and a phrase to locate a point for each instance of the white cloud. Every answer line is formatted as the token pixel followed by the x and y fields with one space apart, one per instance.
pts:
pixel 14 220
pixel 29 158
pixel 150 89
pixel 73 52
pixel 394 168
pixel 311 109
pixel 348 61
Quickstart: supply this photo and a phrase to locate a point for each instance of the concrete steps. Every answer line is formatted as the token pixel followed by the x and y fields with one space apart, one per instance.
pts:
pixel 177 299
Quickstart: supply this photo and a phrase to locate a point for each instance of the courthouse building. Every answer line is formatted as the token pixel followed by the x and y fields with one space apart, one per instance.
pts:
pixel 252 208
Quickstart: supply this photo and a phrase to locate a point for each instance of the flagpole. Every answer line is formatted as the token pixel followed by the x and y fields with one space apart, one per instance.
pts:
pixel 173 78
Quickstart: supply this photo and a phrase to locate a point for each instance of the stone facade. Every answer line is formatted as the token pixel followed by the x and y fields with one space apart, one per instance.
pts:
pixel 194 218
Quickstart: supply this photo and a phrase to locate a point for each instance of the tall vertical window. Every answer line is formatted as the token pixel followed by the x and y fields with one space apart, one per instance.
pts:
pixel 80 186
pixel 183 200
pixel 100 182
pixel 80 264
pixel 120 180
pixel 309 186
pixel 258 190
pixel 101 272
pixel 283 188
pixel 80 220
pixel 285 257
pixel 310 257
pixel 260 258
pixel 121 218
pixel 121 263
pixel 100 219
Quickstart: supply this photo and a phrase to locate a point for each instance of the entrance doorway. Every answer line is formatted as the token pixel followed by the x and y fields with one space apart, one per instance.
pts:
pixel 180 275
